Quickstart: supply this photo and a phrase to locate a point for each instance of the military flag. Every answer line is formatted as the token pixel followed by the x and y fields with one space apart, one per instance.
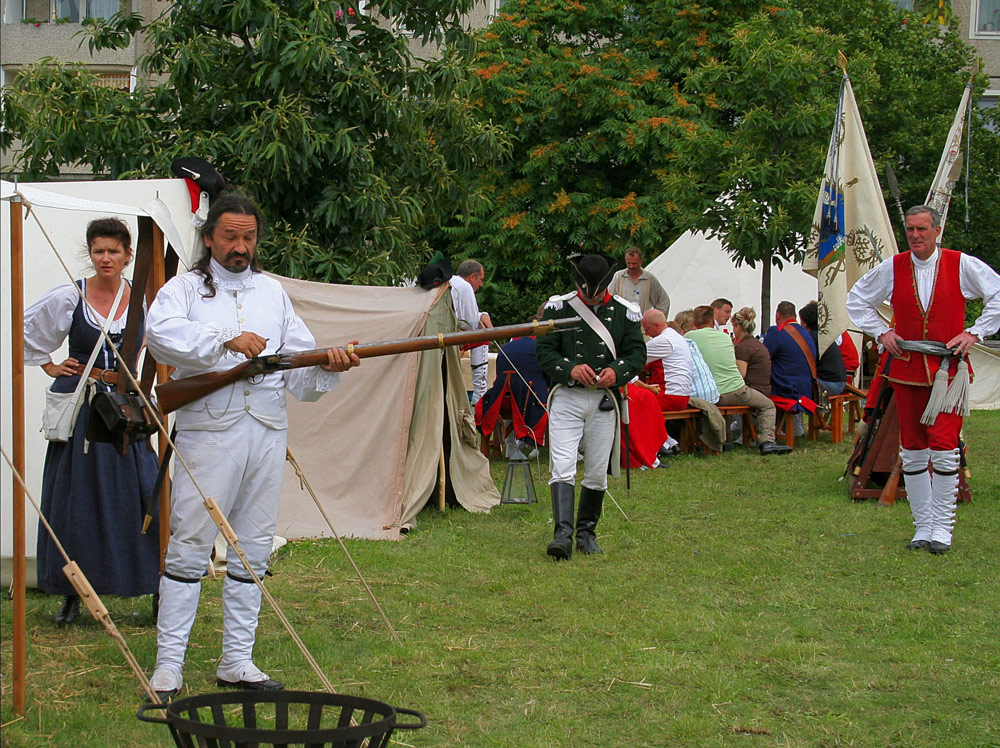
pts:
pixel 850 232
pixel 950 167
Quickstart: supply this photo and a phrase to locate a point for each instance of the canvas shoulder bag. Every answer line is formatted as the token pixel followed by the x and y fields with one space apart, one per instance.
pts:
pixel 62 408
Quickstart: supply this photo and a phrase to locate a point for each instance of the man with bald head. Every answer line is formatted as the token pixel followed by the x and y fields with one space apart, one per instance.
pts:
pixel 668 361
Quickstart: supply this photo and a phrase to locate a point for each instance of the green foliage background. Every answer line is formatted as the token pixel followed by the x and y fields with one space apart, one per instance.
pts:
pixel 346 141
pixel 630 120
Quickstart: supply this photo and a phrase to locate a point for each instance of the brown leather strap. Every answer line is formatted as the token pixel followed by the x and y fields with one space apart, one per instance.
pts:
pixel 107 376
pixel 800 341
pixel 133 331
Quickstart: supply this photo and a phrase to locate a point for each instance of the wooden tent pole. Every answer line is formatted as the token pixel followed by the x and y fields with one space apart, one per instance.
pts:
pixel 442 483
pixel 157 277
pixel 17 431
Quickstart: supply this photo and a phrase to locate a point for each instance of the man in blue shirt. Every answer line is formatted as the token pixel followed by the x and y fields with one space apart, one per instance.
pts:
pixel 791 369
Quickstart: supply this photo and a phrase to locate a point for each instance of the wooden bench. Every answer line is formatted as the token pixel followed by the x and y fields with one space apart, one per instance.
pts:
pixel 688 441
pixel 746 413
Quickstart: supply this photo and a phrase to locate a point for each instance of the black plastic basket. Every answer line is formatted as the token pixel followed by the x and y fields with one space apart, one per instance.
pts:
pixel 259 719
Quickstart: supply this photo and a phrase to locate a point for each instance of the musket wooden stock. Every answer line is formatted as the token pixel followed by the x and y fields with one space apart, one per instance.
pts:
pixel 180 392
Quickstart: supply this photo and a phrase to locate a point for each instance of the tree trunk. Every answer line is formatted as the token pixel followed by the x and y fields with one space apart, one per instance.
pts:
pixel 765 295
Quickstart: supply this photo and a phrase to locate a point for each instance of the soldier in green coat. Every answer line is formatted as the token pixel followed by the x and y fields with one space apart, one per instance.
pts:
pixel 586 367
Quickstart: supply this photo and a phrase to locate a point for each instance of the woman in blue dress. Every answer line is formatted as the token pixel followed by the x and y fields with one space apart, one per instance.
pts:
pixel 92 496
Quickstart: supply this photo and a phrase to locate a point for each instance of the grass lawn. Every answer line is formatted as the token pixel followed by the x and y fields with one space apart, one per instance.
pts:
pixel 744 602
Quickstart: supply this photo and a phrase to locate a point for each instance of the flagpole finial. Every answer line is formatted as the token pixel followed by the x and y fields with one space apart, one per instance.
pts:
pixel 976 69
pixel 842 61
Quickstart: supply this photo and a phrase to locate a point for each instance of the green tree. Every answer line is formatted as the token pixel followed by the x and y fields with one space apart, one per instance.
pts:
pixel 317 111
pixel 589 92
pixel 757 166
pixel 630 120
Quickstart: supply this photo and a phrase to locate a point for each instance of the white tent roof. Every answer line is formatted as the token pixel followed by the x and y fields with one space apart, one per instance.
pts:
pixel 696 270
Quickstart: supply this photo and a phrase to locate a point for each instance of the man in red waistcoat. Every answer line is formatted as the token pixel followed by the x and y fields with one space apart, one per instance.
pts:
pixel 928 287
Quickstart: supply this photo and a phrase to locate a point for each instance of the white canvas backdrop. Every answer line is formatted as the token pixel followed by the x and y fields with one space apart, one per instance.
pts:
pixel 66 227
pixel 696 270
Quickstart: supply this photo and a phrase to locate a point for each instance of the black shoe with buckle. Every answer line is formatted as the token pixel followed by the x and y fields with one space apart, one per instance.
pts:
pixel 252 685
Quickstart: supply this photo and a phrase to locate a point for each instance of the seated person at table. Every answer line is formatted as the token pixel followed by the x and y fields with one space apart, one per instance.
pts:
pixel 752 357
pixel 668 362
pixel 702 382
pixel 831 374
pixel 717 348
pixel 723 310
pixel 787 342
pixel 517 373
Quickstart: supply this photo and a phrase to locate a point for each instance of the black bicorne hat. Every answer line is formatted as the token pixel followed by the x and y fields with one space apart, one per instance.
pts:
pixel 201 173
pixel 592 273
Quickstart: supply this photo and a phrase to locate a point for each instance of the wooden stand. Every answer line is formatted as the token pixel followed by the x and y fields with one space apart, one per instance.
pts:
pixel 872 476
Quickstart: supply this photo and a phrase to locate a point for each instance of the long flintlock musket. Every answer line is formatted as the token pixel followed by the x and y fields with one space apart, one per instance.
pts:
pixel 180 392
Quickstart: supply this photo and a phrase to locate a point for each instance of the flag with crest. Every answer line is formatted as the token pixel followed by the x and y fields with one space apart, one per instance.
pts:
pixel 950 167
pixel 851 232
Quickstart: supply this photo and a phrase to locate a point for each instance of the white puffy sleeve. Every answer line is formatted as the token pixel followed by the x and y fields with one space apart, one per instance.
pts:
pixel 47 323
pixel 979 281
pixel 867 295
pixel 179 341
pixel 308 383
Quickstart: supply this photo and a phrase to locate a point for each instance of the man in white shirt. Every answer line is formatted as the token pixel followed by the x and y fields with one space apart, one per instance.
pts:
pixel 233 440
pixel 466 281
pixel 722 310
pixel 668 361
pixel 928 287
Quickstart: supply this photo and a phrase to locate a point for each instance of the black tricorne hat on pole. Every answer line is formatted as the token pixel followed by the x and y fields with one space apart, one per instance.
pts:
pixel 592 273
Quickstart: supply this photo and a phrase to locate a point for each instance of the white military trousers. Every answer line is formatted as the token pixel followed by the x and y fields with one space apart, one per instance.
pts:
pixel 575 423
pixel 242 469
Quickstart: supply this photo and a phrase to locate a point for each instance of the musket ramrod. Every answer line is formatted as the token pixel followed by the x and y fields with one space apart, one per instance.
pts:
pixel 180 392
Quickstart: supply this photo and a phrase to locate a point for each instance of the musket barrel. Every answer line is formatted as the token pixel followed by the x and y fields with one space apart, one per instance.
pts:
pixel 180 392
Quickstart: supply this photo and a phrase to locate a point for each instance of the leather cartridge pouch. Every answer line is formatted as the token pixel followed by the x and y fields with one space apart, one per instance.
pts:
pixel 118 418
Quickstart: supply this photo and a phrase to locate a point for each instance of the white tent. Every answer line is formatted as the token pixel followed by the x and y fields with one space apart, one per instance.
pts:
pixel 696 270
pixel 371 449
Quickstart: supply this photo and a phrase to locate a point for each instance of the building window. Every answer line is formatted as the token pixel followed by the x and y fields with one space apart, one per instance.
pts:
pixel 904 4
pixel 115 80
pixel 76 11
pixel 987 20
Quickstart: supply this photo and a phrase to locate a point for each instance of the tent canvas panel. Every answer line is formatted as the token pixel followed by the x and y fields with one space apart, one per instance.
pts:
pixel 696 270
pixel 371 448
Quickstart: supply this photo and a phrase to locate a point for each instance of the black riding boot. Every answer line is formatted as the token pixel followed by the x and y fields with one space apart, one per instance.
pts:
pixel 591 503
pixel 562 515
pixel 69 610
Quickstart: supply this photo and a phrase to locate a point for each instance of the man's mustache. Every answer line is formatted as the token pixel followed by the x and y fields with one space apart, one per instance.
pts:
pixel 238 256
